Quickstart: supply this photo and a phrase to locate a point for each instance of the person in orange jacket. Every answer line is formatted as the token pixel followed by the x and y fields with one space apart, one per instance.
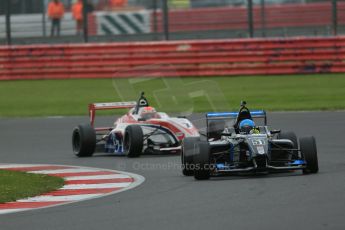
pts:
pixel 77 12
pixel 56 10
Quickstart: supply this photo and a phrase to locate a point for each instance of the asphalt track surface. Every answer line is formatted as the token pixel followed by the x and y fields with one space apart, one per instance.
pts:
pixel 167 200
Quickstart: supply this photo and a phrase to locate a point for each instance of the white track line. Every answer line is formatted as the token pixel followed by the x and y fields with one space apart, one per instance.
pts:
pixel 56 171
pixel 101 177
pixel 59 198
pixel 95 186
pixel 2 166
pixel 5 211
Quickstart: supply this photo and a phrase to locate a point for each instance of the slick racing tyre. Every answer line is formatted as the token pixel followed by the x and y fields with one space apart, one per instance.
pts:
pixel 292 137
pixel 84 140
pixel 215 129
pixel 309 153
pixel 188 150
pixel 201 161
pixel 133 141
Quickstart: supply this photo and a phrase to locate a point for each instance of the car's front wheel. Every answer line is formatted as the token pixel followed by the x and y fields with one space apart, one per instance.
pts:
pixel 201 162
pixel 292 137
pixel 309 153
pixel 84 140
pixel 133 141
pixel 188 150
pixel 215 129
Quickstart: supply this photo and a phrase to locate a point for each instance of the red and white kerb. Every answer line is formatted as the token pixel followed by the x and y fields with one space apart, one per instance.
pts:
pixel 81 183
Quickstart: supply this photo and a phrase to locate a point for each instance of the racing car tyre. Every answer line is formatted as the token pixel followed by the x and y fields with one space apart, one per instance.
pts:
pixel 201 162
pixel 309 153
pixel 133 141
pixel 84 140
pixel 215 129
pixel 187 153
pixel 292 137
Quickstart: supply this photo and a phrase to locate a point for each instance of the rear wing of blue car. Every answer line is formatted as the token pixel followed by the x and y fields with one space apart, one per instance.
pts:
pixel 233 115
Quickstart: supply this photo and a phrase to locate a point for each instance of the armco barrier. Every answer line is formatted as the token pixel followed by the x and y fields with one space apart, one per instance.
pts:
pixel 177 58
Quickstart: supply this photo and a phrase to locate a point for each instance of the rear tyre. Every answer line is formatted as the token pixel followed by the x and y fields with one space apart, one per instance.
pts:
pixel 309 153
pixel 292 137
pixel 215 129
pixel 188 150
pixel 84 140
pixel 133 141
pixel 201 161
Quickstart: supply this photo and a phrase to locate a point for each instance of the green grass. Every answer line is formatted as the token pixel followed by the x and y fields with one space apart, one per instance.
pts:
pixel 18 185
pixel 198 94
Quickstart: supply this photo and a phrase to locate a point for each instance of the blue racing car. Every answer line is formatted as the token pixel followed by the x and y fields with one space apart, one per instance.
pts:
pixel 236 144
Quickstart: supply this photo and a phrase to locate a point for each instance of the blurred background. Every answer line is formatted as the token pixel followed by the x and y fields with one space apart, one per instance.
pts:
pixel 28 21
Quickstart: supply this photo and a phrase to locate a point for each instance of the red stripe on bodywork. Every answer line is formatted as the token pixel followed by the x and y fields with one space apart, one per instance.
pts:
pixel 69 192
pixel 36 168
pixel 100 181
pixel 97 173
pixel 15 205
pixel 175 127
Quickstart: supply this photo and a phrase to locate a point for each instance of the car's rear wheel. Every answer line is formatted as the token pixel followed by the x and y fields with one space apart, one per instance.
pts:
pixel 292 137
pixel 84 140
pixel 201 161
pixel 188 150
pixel 309 153
pixel 133 141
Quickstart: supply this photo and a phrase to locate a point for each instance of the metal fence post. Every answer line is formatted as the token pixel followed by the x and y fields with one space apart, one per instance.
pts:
pixel 166 19
pixel 334 17
pixel 250 18
pixel 8 22
pixel 85 21
pixel 263 18
pixel 44 18
pixel 155 28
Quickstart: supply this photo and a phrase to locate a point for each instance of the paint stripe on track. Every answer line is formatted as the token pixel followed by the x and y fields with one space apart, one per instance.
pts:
pixel 81 183
pixel 98 177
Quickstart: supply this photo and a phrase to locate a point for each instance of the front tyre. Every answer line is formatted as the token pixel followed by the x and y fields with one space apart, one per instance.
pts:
pixel 201 162
pixel 188 150
pixel 292 137
pixel 309 153
pixel 215 129
pixel 84 140
pixel 133 141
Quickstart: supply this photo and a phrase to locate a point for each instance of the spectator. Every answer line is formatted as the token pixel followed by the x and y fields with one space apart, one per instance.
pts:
pixel 77 11
pixel 56 11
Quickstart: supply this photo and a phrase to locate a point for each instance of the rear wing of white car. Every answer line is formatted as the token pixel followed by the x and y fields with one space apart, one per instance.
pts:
pixel 108 106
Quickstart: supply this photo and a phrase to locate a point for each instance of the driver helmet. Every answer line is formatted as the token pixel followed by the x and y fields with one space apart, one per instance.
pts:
pixel 246 126
pixel 148 112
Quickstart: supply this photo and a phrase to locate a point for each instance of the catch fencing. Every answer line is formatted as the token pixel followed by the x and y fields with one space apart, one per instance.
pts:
pixel 155 20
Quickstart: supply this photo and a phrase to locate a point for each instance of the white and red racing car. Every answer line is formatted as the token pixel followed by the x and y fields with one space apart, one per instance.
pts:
pixel 141 130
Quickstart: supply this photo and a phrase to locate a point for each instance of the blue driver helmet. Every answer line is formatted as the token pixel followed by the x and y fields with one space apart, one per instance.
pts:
pixel 246 125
